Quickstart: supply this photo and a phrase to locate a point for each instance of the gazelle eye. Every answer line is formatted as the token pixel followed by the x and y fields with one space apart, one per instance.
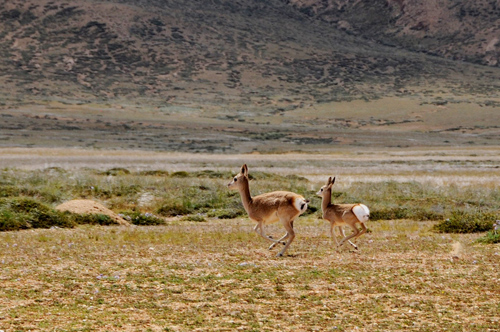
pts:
pixel 321 189
pixel 235 179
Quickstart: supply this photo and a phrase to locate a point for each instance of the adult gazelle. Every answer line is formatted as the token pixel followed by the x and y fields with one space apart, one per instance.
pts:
pixel 268 208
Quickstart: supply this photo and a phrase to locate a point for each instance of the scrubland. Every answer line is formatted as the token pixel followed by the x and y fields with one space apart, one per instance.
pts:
pixel 204 269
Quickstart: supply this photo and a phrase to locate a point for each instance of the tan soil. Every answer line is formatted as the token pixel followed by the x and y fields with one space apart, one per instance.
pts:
pixel 87 206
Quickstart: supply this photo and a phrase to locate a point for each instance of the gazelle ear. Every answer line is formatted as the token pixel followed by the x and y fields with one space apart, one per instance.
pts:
pixel 244 170
pixel 333 181
pixel 329 180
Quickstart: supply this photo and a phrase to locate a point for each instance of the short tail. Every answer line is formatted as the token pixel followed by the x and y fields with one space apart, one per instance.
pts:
pixel 361 212
pixel 301 205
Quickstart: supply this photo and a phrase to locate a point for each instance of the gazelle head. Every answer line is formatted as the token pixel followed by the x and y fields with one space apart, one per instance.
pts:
pixel 239 179
pixel 327 187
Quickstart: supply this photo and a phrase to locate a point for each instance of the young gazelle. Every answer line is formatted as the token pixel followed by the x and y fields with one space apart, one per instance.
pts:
pixel 283 206
pixel 343 214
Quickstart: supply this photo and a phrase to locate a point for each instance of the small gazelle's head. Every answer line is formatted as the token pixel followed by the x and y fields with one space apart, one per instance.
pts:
pixel 327 187
pixel 239 178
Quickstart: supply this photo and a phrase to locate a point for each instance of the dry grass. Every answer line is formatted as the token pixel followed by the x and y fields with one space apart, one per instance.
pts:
pixel 218 276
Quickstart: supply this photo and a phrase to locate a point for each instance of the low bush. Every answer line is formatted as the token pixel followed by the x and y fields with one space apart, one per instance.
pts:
pixel 229 213
pixel 490 238
pixel 25 213
pixel 9 191
pixel 394 213
pixel 466 222
pixel 213 174
pixel 194 217
pixel 91 219
pixel 154 173
pixel 142 219
pixel 175 208
pixel 116 171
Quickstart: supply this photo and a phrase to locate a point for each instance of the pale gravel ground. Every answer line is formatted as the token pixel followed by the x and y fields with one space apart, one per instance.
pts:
pixel 439 166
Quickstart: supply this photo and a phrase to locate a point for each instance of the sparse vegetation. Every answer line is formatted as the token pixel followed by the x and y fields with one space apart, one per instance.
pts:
pixel 19 213
pixel 142 219
pixel 490 238
pixel 202 267
pixel 204 193
pixel 467 222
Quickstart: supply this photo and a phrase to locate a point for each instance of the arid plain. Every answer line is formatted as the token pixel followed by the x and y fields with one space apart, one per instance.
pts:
pixel 150 107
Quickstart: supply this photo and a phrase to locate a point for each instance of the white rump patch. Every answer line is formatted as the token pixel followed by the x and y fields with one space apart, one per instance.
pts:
pixel 300 205
pixel 362 212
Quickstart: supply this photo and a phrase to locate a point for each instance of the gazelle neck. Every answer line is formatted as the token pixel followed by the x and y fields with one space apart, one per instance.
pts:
pixel 327 199
pixel 244 190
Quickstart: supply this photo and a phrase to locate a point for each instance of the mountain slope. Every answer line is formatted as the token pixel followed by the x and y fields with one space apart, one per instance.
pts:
pixel 226 75
pixel 459 30
pixel 221 50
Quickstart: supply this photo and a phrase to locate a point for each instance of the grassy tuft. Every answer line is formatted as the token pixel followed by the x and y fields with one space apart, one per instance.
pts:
pixel 25 213
pixel 142 219
pixel 229 213
pixel 91 219
pixel 116 171
pixel 175 208
pixel 466 222
pixel 194 217
pixel 490 238
pixel 418 214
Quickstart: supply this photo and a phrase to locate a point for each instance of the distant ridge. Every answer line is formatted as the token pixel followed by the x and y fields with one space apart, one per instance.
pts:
pixel 225 51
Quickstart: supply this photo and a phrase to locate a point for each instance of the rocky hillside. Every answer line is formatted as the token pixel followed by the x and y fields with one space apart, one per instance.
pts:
pixel 267 54
pixel 455 29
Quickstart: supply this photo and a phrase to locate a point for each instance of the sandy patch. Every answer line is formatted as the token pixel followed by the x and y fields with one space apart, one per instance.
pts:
pixel 87 206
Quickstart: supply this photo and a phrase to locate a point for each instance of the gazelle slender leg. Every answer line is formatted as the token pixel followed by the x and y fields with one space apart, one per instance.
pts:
pixel 343 235
pixel 259 229
pixel 290 235
pixel 279 241
pixel 332 232
pixel 354 235
pixel 287 234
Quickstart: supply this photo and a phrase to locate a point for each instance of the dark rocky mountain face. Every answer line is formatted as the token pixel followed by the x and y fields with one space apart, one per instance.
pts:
pixel 220 51
pixel 453 29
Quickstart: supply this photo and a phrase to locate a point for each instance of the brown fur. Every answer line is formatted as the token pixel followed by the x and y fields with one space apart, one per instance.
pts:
pixel 268 208
pixel 339 215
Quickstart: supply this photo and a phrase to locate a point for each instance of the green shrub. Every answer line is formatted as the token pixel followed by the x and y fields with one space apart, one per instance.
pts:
pixel 91 219
pixel 142 219
pixel 116 171
pixel 154 173
pixel 180 174
pixel 466 222
pixel 226 213
pixel 404 213
pixel 194 217
pixel 24 213
pixel 9 191
pixel 175 208
pixel 213 174
pixel 10 221
pixel 490 238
